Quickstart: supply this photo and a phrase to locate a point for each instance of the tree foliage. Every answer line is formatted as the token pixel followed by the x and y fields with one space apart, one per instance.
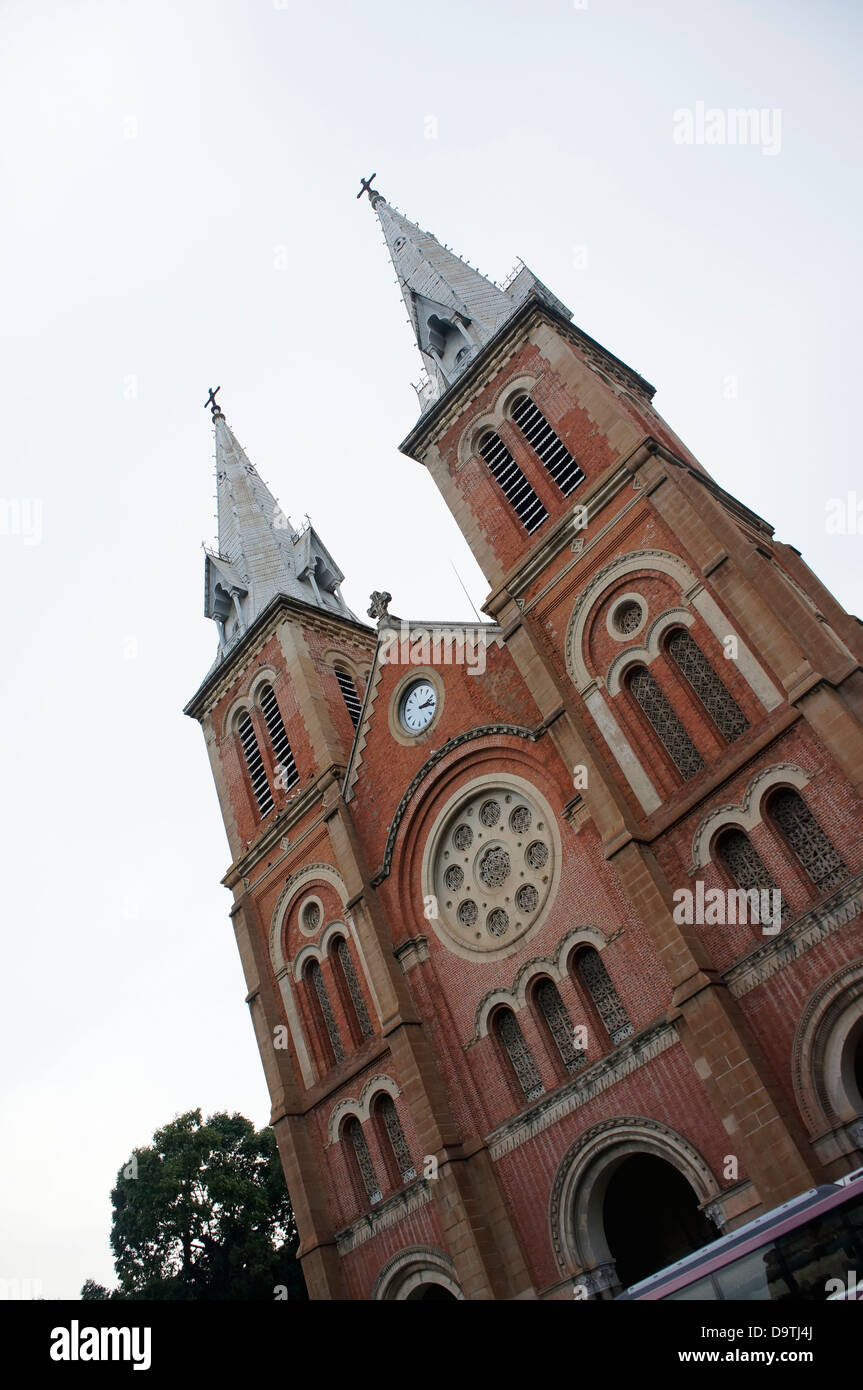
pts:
pixel 203 1213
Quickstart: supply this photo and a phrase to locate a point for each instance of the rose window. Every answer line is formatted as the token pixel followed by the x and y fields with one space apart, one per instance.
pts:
pixel 491 867
pixel 494 867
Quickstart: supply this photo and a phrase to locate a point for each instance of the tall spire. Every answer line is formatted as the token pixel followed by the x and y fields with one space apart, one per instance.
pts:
pixel 453 309
pixel 260 553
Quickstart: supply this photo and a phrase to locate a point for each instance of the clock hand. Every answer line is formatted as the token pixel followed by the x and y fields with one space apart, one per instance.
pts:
pixel 427 703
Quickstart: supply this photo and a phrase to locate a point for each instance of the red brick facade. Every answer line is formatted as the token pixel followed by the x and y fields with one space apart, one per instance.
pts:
pixel 738 1059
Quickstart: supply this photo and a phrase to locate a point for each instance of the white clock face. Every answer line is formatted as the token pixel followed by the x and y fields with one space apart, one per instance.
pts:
pixel 418 707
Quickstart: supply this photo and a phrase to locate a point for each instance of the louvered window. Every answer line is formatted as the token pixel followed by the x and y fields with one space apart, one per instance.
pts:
pixel 514 485
pixel 352 995
pixel 594 977
pixel 553 1010
pixel 363 1160
pixel 518 1053
pixel 696 669
pixel 349 691
pixel 395 1135
pixel 286 768
pixel 821 861
pixel 325 1010
pixel 546 444
pixel 674 738
pixel 255 765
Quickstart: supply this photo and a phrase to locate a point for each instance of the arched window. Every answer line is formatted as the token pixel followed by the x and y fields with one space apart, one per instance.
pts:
pixel 255 765
pixel 742 862
pixel 514 485
pixel 787 809
pixel 286 768
pixel 700 675
pixel 665 723
pixel 591 972
pixel 546 444
pixel 322 1012
pixel 350 696
pixel 348 985
pixel 360 1163
pixel 556 1019
pixel 518 1052
pixel 392 1140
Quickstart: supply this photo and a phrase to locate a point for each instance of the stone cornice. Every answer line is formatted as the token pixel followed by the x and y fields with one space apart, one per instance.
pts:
pixel 625 1059
pixel 474 378
pixel 271 836
pixel 795 940
pixel 388 1213
pixel 220 680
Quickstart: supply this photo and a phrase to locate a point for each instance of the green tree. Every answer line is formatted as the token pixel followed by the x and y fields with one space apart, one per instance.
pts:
pixel 203 1213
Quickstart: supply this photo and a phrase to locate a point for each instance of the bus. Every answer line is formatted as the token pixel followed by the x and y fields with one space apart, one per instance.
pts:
pixel 810 1248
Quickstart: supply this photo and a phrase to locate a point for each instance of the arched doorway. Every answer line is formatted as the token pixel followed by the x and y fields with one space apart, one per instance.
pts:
pixel 427 1291
pixel 651 1217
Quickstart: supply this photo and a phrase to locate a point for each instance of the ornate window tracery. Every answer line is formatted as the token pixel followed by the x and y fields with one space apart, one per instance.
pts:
pixel 822 862
pixel 345 964
pixel 593 975
pixel 518 1052
pixel 363 1160
pixel 671 733
pixel 327 1017
pixel 700 675
pixel 386 1109
pixel 492 865
pixel 553 1010
pixel 743 863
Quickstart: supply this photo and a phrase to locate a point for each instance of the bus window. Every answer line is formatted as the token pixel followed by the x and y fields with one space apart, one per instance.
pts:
pixel 822 1249
pixel 756 1276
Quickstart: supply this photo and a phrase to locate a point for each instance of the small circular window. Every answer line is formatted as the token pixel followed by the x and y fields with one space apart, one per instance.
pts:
pixel 627 617
pixel 311 915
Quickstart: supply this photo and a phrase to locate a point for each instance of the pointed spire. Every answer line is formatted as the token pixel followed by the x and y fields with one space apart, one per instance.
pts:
pixel 260 553
pixel 453 309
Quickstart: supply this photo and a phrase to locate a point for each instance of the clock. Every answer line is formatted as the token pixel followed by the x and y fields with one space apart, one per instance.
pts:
pixel 418 706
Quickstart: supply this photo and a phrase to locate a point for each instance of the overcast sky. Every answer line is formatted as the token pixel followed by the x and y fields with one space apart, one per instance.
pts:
pixel 178 184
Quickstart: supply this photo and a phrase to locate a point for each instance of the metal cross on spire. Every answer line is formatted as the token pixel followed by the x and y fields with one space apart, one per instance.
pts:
pixel 367 186
pixel 213 403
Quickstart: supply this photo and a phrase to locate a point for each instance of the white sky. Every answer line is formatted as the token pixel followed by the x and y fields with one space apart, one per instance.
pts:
pixel 157 258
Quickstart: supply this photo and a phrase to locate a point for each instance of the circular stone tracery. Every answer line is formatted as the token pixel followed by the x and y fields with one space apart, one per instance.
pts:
pixel 492 864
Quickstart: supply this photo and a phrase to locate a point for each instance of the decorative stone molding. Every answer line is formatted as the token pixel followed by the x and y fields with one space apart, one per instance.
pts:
pixel 795 940
pixel 649 650
pixel 833 1013
pixel 412 952
pixel 294 883
pixel 360 1107
pixel 420 1264
pixel 747 811
pixel 575 1207
pixel 626 1058
pixel 388 1213
pixel 482 731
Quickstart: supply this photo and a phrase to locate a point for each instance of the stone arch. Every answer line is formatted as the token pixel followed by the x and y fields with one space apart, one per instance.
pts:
pixel 495 999
pixel 582 936
pixel 301 960
pixel 491 418
pixel 310 873
pixel 747 811
pixel 262 675
pixel 828 1097
pixel 659 560
pixel 530 972
pixel 410 1269
pixel 649 650
pixel 575 1208
pixel 360 1107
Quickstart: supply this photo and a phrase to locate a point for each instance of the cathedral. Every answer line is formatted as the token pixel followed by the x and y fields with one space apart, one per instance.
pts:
pixel 496 888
